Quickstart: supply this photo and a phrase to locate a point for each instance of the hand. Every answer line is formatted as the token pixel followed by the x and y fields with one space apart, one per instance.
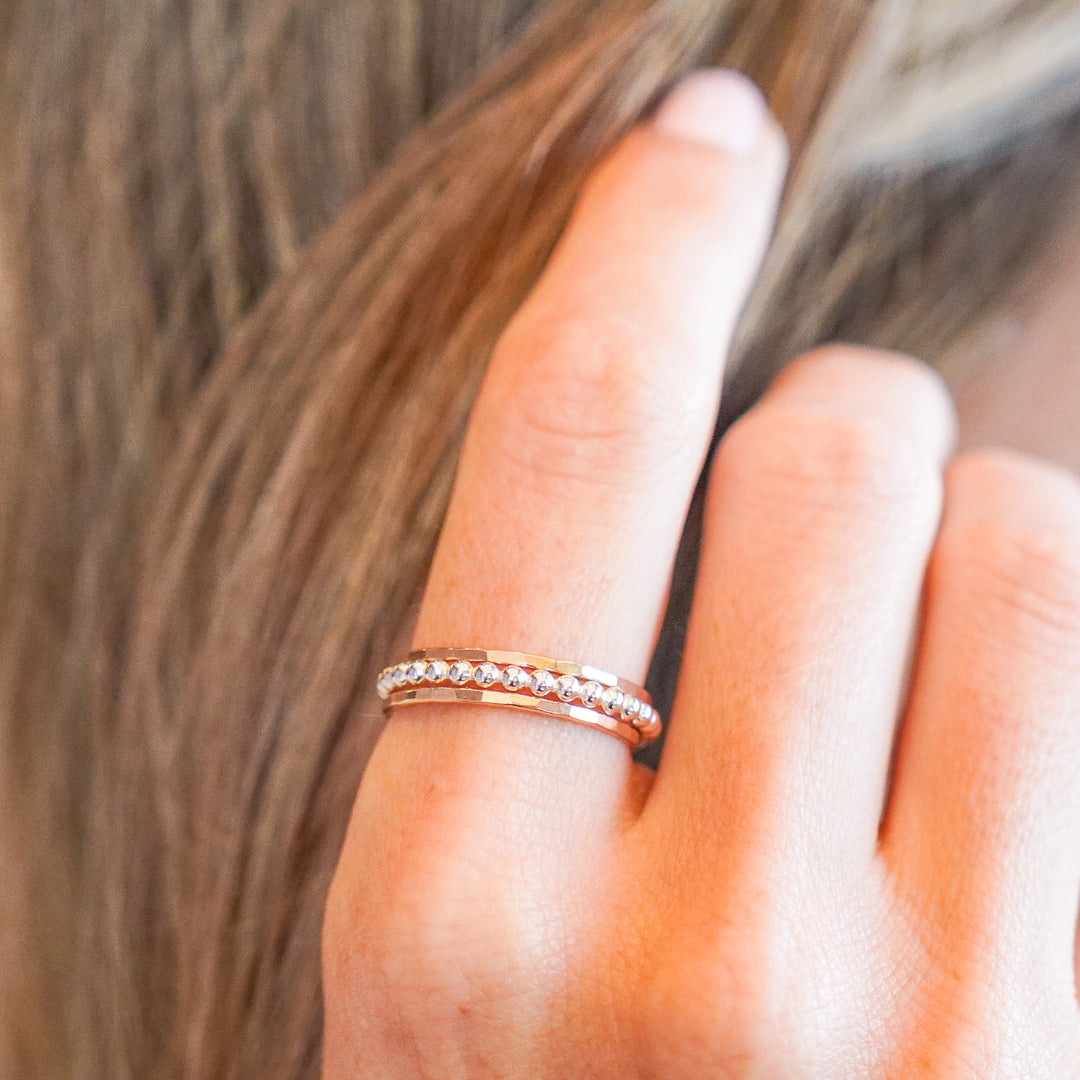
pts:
pixel 516 898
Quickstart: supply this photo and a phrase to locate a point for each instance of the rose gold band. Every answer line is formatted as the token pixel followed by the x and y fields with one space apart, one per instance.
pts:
pixel 560 688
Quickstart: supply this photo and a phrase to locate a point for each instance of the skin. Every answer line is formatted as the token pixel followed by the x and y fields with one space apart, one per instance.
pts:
pixel 517 898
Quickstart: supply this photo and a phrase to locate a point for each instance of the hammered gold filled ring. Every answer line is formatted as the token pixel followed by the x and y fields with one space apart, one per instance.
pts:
pixel 559 688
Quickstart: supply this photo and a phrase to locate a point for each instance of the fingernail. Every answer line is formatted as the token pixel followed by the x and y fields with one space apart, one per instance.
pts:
pixel 718 106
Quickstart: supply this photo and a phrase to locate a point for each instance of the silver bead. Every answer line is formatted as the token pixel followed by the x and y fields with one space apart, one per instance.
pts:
pixel 485 674
pixel 460 672
pixel 567 686
pixel 436 671
pixel 611 700
pixel 541 682
pixel 513 677
pixel 590 692
pixel 385 683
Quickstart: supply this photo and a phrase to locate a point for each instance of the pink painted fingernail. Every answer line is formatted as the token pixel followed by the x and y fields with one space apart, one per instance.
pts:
pixel 718 106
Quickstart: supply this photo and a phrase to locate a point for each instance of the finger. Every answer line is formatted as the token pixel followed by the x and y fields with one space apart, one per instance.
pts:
pixel 983 823
pixel 585 441
pixel 822 506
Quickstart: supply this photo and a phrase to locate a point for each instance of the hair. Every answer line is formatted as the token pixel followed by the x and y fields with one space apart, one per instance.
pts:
pixel 253 259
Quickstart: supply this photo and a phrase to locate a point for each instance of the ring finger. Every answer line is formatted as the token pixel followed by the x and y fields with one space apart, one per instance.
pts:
pixel 583 449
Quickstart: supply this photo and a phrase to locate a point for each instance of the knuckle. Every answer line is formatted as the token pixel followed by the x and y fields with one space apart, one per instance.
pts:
pixel 848 462
pixel 584 401
pixel 725 1002
pixel 1033 566
pixel 1020 540
pixel 423 940
pixel 699 1015
pixel 896 386
pixel 907 376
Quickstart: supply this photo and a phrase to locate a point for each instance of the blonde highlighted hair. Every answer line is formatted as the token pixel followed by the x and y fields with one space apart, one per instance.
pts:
pixel 253 258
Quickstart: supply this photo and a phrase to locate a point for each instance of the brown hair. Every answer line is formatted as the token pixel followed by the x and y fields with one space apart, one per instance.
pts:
pixel 232 401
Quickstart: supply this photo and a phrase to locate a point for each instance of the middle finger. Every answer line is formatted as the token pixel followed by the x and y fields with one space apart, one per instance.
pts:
pixel 822 507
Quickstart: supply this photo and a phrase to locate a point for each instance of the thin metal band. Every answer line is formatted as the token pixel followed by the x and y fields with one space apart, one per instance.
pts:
pixel 577 713
pixel 560 688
